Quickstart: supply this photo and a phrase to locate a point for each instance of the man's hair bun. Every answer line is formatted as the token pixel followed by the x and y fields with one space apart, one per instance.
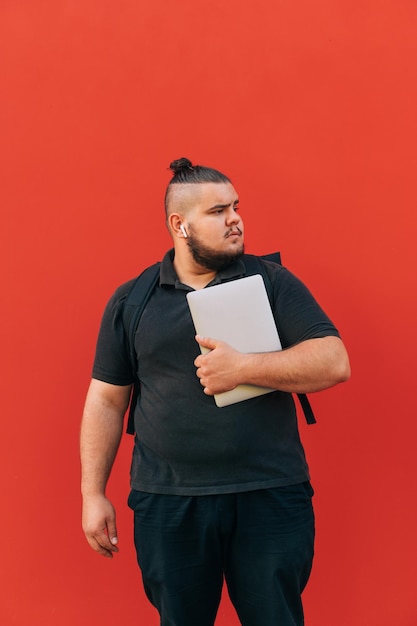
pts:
pixel 180 164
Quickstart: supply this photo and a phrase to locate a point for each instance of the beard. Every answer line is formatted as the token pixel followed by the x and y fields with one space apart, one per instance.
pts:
pixel 210 259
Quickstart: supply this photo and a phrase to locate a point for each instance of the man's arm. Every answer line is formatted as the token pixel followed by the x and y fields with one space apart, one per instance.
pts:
pixel 101 431
pixel 309 366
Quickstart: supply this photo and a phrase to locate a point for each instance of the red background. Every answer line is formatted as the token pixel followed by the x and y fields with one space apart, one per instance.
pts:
pixel 310 107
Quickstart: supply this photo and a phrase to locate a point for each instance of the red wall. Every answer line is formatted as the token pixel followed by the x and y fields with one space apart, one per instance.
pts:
pixel 310 107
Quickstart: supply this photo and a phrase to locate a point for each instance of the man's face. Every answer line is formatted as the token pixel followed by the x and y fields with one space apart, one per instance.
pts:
pixel 214 227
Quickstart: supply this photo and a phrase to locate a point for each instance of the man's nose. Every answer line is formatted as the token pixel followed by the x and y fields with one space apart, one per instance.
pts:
pixel 232 217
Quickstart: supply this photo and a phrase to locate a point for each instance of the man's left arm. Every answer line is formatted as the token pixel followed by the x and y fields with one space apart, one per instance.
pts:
pixel 309 366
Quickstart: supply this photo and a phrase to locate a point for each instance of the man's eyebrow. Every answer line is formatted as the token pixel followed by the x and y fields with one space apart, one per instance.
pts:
pixel 224 206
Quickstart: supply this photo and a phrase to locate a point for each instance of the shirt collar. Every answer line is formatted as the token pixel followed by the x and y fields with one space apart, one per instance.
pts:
pixel 168 275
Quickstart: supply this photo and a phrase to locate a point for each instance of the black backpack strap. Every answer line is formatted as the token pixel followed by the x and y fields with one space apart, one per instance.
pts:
pixel 134 306
pixel 306 406
pixel 254 266
pixel 275 257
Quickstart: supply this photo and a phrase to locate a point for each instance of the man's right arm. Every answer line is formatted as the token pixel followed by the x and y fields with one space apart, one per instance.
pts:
pixel 101 431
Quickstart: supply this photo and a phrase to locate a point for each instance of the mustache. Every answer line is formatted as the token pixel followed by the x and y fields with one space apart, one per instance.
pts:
pixel 233 231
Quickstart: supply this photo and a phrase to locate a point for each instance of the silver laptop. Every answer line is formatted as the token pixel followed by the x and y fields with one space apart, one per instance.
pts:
pixel 237 312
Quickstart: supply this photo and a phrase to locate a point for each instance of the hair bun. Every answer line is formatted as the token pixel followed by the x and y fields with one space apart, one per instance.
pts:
pixel 180 165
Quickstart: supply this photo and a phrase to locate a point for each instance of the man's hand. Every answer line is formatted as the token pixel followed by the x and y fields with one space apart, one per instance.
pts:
pixel 307 367
pixel 99 525
pixel 217 369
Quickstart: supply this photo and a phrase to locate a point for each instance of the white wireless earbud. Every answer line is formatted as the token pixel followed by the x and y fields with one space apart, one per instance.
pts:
pixel 184 232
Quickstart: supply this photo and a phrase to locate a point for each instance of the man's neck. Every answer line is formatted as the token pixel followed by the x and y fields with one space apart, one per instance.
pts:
pixel 192 274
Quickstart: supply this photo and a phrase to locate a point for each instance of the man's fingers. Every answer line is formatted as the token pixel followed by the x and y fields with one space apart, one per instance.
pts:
pixel 108 538
pixel 112 533
pixel 100 549
pixel 102 543
pixel 206 342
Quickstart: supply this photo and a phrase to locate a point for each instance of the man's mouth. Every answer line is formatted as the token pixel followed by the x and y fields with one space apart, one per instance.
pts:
pixel 236 232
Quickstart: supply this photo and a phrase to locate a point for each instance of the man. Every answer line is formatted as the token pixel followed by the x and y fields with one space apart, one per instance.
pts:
pixel 217 493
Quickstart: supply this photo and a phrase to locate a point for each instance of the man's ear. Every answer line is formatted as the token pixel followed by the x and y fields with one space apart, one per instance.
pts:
pixel 176 225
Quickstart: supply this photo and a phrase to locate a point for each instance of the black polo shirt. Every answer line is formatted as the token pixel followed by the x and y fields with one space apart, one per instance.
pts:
pixel 184 443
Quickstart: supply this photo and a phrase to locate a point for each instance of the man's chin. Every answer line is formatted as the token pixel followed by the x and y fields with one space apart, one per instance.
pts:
pixel 222 261
pixel 214 260
pixel 219 262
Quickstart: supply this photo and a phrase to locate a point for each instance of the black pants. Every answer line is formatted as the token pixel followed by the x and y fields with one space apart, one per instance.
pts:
pixel 260 542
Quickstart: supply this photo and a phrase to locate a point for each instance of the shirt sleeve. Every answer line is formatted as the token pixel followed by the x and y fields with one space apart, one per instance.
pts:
pixel 112 360
pixel 297 313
